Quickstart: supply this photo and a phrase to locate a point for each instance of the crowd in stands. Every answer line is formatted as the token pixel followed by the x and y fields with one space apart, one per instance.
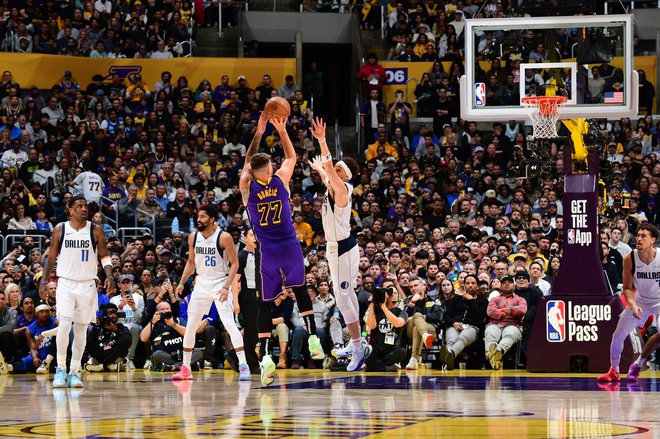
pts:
pixel 443 232
pixel 98 29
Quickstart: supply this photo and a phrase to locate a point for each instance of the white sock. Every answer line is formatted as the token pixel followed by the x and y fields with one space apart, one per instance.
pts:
pixel 357 342
pixel 187 356
pixel 241 357
pixel 74 367
pixel 61 361
pixel 640 361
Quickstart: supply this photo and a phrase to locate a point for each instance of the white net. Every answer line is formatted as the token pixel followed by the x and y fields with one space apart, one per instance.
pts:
pixel 543 111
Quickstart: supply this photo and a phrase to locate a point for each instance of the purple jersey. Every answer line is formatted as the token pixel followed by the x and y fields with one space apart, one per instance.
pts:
pixel 270 212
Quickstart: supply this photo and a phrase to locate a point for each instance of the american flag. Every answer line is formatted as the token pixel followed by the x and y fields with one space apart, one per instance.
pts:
pixel 613 97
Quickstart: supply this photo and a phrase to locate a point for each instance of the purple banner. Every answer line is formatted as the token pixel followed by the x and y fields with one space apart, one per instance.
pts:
pixel 581 272
pixel 568 326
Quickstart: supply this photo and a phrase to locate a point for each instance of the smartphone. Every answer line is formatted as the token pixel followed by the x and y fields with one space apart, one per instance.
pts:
pixel 20 259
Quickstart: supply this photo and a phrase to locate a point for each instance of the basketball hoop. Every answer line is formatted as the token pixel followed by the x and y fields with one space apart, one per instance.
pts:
pixel 543 110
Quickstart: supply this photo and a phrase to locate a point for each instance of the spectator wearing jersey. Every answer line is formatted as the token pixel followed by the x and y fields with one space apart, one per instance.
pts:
pixel 90 184
pixel 42 347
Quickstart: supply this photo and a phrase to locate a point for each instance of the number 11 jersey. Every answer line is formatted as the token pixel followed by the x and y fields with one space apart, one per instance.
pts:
pixel 270 212
pixel 77 259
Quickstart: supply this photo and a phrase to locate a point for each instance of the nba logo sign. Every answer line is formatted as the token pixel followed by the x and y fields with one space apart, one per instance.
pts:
pixel 570 236
pixel 480 94
pixel 555 312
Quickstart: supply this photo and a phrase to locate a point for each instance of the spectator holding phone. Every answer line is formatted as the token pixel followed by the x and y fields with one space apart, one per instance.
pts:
pixel 130 302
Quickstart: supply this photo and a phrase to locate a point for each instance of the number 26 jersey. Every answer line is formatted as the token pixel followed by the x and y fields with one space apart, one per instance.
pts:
pixel 270 212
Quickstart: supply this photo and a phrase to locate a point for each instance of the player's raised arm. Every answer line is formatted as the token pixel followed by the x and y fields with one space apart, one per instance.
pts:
pixel 286 168
pixel 246 173
pixel 337 187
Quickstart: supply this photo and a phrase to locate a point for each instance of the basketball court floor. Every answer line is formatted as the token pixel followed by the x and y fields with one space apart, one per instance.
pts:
pixel 318 404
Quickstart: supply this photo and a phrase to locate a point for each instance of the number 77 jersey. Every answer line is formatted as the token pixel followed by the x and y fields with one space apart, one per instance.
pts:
pixel 270 212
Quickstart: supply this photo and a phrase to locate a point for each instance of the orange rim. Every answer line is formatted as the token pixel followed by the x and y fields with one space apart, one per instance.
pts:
pixel 547 104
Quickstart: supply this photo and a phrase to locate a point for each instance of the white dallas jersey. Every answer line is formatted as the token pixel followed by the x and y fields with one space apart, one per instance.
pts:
pixel 77 258
pixel 337 220
pixel 646 279
pixel 211 261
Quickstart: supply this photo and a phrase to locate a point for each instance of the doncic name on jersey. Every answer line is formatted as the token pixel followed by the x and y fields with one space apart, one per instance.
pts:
pixel 566 321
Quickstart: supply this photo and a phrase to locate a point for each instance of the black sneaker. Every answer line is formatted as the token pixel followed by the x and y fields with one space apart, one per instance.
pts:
pixel 392 368
pixel 449 360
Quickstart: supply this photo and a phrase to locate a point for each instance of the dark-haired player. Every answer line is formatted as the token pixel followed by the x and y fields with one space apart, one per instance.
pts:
pixel 213 255
pixel 76 245
pixel 279 258
pixel 342 249
pixel 641 288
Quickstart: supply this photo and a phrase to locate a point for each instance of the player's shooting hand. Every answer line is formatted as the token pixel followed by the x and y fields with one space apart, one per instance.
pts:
pixel 636 310
pixel 318 129
pixel 262 123
pixel 279 124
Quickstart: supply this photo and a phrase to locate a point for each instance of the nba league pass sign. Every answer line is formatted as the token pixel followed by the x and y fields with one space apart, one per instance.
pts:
pixel 566 321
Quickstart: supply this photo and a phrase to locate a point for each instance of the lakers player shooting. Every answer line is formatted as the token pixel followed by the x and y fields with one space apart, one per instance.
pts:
pixel 76 245
pixel 342 250
pixel 279 256
pixel 641 288
pixel 213 255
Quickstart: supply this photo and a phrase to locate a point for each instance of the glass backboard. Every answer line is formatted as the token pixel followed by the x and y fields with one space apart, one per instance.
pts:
pixel 588 59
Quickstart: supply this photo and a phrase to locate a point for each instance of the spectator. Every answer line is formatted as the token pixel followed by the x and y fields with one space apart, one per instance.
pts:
pixel 108 342
pixel 372 74
pixel 506 313
pixel 165 336
pixel 465 318
pixel 425 316
pixel 531 295
pixel 386 341
pixel 131 302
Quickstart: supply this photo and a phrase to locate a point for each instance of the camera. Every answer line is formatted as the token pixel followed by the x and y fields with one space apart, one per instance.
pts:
pixel 105 318
pixel 380 295
pixel 165 315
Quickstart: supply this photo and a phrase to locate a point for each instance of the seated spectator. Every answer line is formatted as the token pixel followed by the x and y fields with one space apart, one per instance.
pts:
pixel 465 318
pixel 108 342
pixel 165 336
pixel 386 340
pixel 506 313
pixel 20 221
pixel 42 347
pixel 532 295
pixel 425 315
pixel 281 313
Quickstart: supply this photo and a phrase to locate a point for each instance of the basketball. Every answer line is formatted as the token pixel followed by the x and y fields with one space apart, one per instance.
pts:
pixel 277 107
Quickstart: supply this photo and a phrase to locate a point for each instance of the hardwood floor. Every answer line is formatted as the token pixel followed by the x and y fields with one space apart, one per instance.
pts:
pixel 313 403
